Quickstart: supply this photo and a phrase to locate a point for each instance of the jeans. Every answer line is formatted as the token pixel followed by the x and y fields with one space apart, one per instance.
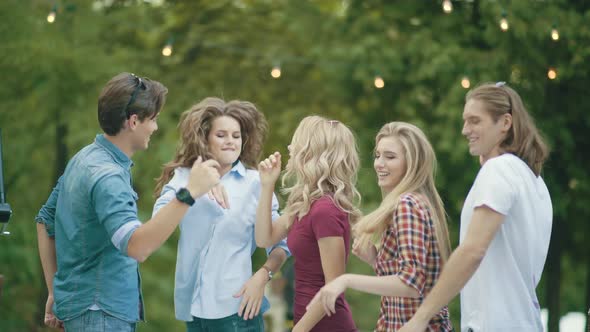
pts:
pixel 233 323
pixel 97 321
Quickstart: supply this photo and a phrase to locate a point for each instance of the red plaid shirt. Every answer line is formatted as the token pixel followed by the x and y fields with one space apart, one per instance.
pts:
pixel 409 250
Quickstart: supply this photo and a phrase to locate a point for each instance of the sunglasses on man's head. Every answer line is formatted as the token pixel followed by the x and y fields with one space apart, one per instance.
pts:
pixel 501 84
pixel 139 85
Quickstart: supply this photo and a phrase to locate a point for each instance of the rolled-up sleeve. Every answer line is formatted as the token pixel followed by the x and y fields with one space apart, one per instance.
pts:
pixel 116 209
pixel 168 193
pixel 412 234
pixel 179 180
pixel 275 215
pixel 46 214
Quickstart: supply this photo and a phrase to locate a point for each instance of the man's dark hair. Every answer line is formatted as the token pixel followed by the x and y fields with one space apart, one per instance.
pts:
pixel 127 94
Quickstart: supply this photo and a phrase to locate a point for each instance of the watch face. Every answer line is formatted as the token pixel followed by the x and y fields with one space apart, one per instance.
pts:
pixel 184 196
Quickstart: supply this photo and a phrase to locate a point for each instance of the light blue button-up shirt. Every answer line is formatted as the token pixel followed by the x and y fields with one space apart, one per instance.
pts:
pixel 216 245
pixel 92 214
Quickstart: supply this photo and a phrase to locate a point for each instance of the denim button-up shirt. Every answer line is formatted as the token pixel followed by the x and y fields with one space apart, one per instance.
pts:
pixel 216 245
pixel 92 213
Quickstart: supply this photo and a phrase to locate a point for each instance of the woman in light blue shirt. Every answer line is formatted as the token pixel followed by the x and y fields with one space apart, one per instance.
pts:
pixel 215 289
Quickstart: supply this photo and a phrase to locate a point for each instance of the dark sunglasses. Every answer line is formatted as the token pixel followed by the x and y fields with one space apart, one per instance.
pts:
pixel 139 84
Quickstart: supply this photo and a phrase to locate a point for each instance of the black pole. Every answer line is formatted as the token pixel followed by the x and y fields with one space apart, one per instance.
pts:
pixel 5 211
pixel 2 198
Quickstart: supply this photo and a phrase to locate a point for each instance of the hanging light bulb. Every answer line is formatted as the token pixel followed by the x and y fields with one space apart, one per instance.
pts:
pixel 167 49
pixel 447 6
pixel 552 73
pixel 276 71
pixel 554 34
pixel 465 83
pixel 379 83
pixel 504 22
pixel 52 14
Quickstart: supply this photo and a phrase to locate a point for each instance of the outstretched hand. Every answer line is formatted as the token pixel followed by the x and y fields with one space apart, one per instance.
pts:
pixel 328 295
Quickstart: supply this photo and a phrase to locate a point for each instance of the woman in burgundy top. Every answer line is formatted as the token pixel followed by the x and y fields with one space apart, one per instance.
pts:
pixel 322 167
pixel 412 227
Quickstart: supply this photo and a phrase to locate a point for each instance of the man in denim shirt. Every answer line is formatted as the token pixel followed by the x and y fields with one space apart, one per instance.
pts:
pixel 90 237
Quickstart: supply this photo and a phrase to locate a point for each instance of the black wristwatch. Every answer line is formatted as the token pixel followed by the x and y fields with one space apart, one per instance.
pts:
pixel 185 196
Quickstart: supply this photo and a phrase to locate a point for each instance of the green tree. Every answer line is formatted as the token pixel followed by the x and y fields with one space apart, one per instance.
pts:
pixel 329 53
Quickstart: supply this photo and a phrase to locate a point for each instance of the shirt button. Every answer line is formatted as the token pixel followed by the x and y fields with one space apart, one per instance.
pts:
pixel 470 330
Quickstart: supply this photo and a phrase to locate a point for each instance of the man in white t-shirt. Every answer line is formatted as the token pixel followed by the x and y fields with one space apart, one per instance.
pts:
pixel 505 222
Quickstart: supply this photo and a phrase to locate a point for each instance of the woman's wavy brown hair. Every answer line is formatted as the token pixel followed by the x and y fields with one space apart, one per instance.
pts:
pixel 194 128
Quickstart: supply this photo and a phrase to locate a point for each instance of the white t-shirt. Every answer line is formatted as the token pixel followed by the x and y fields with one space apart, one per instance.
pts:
pixel 501 294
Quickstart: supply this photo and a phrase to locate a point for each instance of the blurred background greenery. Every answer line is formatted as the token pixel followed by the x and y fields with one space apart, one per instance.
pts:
pixel 362 62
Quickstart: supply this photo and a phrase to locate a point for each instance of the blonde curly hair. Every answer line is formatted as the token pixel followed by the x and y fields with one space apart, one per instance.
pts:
pixel 324 161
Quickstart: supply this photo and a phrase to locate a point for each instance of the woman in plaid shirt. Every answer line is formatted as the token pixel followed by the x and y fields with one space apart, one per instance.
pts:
pixel 412 227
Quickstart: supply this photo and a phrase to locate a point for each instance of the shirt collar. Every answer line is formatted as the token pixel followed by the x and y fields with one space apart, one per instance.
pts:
pixel 114 151
pixel 239 168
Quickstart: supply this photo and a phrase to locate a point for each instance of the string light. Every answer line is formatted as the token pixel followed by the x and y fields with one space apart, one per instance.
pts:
pixel 379 83
pixel 465 83
pixel 276 71
pixel 554 33
pixel 552 73
pixel 447 6
pixel 504 24
pixel 504 21
pixel 167 49
pixel 52 14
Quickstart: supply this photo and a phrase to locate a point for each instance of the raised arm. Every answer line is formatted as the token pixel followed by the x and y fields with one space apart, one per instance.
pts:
pixel 117 212
pixel 268 233
pixel 151 235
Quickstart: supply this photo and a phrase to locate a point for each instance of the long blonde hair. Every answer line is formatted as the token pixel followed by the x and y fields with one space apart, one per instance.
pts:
pixel 419 178
pixel 523 138
pixel 325 161
pixel 195 125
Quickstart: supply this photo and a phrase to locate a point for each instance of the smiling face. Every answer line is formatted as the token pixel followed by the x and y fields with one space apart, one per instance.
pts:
pixel 143 131
pixel 390 163
pixel 483 133
pixel 225 141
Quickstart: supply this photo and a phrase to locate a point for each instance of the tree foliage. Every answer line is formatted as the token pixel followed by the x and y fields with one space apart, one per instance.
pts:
pixel 329 53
